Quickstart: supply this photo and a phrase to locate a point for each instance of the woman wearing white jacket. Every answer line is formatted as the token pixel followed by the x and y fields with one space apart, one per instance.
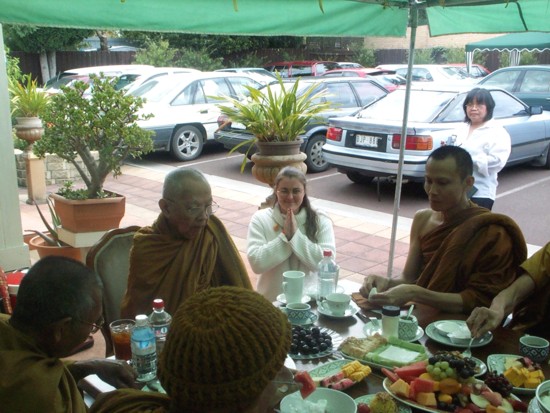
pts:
pixel 289 236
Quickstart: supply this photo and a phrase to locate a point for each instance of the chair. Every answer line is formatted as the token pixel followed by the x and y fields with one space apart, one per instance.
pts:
pixel 110 259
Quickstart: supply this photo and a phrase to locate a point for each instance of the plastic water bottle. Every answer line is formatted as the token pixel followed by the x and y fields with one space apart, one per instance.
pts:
pixel 327 275
pixel 144 350
pixel 160 321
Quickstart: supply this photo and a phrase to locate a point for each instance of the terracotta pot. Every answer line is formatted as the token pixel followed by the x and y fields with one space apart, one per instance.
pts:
pixel 273 156
pixel 90 215
pixel 45 250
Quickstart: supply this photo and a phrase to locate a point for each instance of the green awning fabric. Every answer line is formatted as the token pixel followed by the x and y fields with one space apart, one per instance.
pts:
pixel 515 41
pixel 281 17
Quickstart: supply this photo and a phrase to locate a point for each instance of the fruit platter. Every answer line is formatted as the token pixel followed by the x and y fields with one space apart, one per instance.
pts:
pixel 446 383
pixel 523 374
pixel 379 352
pixel 313 342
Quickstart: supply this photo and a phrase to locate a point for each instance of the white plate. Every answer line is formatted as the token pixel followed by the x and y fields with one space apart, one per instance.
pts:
pixel 496 362
pixel 433 333
pixel 310 320
pixel 282 299
pixel 350 311
pixel 369 329
pixel 376 365
pixel 401 408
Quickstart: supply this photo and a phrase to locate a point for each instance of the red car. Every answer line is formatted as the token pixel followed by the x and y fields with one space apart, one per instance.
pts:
pixel 301 68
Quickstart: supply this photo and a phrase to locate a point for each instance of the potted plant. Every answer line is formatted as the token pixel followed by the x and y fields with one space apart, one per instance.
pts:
pixel 275 116
pixel 76 126
pixel 28 103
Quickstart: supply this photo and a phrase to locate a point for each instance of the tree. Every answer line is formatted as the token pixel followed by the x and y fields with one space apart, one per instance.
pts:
pixel 45 41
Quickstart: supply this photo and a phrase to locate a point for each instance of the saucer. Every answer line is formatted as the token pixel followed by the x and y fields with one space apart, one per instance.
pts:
pixel 312 318
pixel 350 311
pixel 282 299
pixel 369 329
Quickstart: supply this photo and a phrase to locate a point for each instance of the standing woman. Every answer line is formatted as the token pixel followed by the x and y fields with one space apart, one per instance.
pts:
pixel 488 144
pixel 289 236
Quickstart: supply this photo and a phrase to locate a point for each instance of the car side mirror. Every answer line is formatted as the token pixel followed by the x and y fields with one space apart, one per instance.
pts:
pixel 535 110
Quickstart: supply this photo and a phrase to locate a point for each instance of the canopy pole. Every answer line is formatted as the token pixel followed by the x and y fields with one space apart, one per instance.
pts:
pixel 396 203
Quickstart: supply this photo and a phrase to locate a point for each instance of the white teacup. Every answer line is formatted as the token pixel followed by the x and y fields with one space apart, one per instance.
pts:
pixel 337 303
pixel 293 286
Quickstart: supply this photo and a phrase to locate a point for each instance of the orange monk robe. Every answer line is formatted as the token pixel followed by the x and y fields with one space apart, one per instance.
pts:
pixel 476 254
pixel 32 381
pixel 534 313
pixel 165 265
pixel 131 401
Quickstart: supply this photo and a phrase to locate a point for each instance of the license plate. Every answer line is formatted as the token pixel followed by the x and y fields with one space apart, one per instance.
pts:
pixel 367 141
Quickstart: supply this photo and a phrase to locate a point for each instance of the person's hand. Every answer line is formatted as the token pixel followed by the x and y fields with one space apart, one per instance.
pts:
pixel 374 281
pixel 290 226
pixel 117 373
pixel 398 296
pixel 482 320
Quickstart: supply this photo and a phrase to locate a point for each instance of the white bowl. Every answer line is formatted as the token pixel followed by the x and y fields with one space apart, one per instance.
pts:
pixel 337 402
pixel 543 390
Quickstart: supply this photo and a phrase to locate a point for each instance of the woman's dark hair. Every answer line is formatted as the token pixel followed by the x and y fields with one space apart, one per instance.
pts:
pixel 482 96
pixel 312 219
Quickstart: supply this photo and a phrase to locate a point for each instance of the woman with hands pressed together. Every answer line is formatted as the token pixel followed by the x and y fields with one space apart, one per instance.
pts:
pixel 289 236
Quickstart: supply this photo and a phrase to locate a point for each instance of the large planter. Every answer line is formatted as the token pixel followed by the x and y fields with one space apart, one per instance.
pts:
pixel 273 156
pixel 29 129
pixel 90 215
pixel 45 250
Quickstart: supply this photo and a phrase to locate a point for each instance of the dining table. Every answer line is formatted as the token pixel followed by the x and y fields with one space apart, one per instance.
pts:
pixel 504 340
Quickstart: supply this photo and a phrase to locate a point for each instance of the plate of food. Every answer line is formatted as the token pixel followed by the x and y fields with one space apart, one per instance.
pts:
pixel 313 342
pixel 437 334
pixel 377 351
pixel 522 373
pixel 339 374
pixel 380 403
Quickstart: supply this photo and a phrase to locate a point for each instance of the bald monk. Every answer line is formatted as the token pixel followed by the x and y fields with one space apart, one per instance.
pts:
pixel 460 255
pixel 186 250
pixel 58 306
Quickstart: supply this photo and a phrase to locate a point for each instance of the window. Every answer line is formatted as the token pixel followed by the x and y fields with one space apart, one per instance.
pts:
pixel 505 80
pixel 239 83
pixel 367 92
pixel 535 81
pixel 340 95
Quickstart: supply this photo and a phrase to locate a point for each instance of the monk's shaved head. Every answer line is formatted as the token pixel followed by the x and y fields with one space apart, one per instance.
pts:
pixel 180 182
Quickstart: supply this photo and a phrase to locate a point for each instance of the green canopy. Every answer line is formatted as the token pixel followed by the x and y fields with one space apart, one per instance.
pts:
pixel 514 41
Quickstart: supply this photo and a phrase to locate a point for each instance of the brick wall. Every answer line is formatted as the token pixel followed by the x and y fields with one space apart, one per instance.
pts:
pixel 58 171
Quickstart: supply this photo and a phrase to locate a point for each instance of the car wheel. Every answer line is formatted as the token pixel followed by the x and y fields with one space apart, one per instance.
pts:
pixel 187 143
pixel 315 160
pixel 357 178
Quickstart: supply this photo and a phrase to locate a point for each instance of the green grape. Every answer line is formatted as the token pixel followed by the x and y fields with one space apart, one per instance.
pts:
pixel 429 368
pixel 444 365
pixel 442 375
pixel 449 371
pixel 437 371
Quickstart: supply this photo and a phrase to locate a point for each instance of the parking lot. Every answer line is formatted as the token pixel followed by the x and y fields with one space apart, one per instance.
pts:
pixel 523 193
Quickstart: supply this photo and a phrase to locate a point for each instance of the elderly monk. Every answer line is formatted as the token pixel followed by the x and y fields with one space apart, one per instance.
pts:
pixel 186 250
pixel 58 305
pixel 224 349
pixel 528 296
pixel 460 255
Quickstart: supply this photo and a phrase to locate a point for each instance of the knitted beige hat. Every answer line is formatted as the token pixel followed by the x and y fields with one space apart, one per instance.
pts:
pixel 224 346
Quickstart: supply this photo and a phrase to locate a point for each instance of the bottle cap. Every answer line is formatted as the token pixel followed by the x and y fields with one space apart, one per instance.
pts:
pixel 158 304
pixel 327 253
pixel 391 311
pixel 141 320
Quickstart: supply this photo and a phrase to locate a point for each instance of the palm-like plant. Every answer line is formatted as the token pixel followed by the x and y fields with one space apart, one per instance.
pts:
pixel 27 100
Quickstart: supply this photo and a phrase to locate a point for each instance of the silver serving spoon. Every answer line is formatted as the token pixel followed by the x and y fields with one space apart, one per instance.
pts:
pixel 468 352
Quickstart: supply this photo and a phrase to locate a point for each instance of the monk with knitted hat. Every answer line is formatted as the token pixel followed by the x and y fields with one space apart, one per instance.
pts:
pixel 224 348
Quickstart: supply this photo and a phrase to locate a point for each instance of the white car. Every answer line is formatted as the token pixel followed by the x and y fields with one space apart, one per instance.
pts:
pixel 131 82
pixel 444 74
pixel 259 74
pixel 185 108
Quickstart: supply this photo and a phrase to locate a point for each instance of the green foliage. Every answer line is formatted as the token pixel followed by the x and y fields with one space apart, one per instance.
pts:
pixel 364 56
pixel 27 100
pixel 454 55
pixel 423 56
pixel 199 59
pixel 34 39
pixel 529 58
pixel 106 122
pixel 12 67
pixel 52 238
pixel 249 60
pixel 157 53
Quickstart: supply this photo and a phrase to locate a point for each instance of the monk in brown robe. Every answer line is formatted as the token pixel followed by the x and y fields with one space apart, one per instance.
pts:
pixel 528 297
pixel 460 255
pixel 58 306
pixel 186 250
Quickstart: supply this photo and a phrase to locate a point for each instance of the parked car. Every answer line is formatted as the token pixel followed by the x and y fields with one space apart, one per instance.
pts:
pixel 185 108
pixel 529 83
pixel 366 145
pixel 386 78
pixel 86 71
pixel 131 81
pixel 301 68
pixel 476 71
pixel 259 74
pixel 431 73
pixel 346 95
pixel 349 65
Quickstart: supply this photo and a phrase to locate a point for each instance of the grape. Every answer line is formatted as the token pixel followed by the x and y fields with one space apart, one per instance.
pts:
pixel 436 371
pixel 444 365
pixel 498 383
pixel 429 368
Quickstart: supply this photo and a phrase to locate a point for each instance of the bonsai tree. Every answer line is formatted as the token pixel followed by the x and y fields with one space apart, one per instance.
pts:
pixel 106 122
pixel 27 100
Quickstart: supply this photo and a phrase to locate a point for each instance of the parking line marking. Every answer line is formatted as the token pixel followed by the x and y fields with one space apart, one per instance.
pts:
pixel 521 188
pixel 323 177
pixel 207 161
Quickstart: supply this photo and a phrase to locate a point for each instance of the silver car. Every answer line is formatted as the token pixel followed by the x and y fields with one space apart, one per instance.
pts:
pixel 366 145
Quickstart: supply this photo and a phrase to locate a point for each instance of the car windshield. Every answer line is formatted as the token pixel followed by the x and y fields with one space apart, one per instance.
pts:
pixel 424 106
pixel 155 89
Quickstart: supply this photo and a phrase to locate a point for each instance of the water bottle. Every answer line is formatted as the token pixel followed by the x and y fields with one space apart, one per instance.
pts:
pixel 327 275
pixel 144 351
pixel 160 321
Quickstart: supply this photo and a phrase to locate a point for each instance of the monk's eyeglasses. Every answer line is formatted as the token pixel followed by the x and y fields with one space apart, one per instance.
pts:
pixel 95 326
pixel 194 212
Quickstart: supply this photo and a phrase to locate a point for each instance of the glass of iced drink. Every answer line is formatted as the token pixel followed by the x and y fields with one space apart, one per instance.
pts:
pixel 121 331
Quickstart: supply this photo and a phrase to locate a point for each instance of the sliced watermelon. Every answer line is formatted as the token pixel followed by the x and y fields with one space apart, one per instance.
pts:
pixel 390 374
pixel 422 385
pixel 412 370
pixel 308 385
